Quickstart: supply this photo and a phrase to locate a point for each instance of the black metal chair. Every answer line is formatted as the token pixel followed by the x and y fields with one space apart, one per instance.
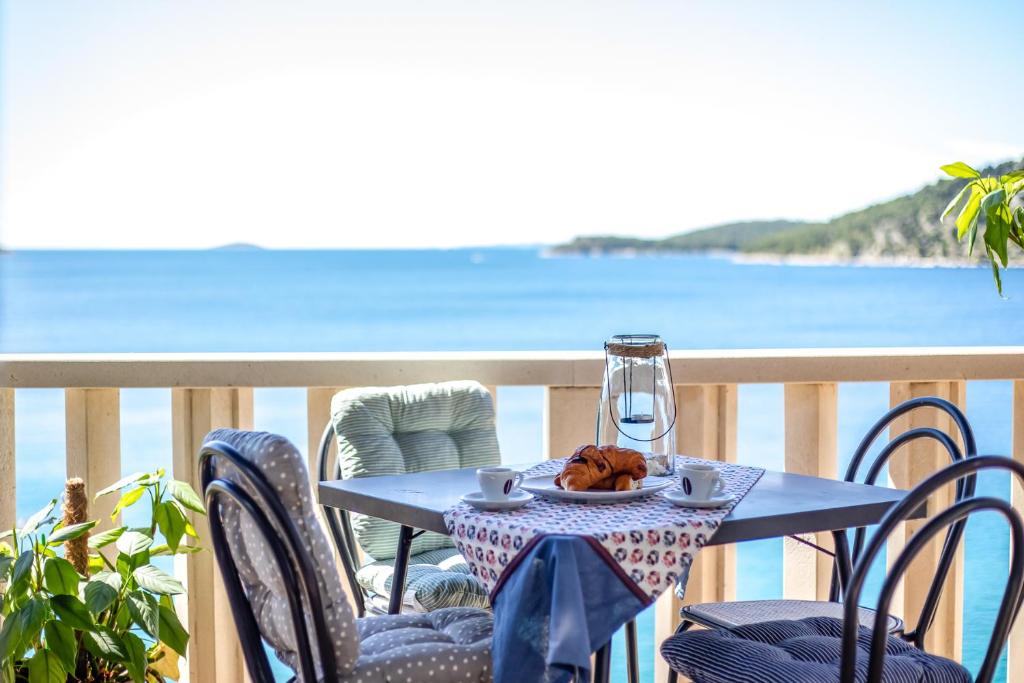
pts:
pixel 824 648
pixel 283 587
pixel 733 614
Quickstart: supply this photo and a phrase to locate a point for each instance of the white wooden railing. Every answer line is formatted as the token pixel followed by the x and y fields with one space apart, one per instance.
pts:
pixel 215 390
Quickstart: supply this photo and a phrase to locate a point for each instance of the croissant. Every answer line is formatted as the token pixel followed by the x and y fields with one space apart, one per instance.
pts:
pixel 603 468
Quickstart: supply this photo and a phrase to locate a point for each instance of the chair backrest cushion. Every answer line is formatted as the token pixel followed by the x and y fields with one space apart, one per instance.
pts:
pixel 415 428
pixel 285 469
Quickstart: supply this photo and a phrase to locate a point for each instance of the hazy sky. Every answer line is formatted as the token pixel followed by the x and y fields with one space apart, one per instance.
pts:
pixel 442 123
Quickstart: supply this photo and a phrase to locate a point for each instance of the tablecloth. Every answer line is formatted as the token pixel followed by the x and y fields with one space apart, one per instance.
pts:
pixel 564 576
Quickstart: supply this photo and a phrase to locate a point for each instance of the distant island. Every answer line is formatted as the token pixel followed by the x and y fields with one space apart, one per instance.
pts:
pixel 905 229
pixel 238 246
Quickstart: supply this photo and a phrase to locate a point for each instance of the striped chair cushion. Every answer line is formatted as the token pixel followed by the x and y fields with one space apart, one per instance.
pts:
pixel 802 651
pixel 436 579
pixel 395 430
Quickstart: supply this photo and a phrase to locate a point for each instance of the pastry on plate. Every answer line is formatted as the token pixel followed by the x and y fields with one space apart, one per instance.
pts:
pixel 602 468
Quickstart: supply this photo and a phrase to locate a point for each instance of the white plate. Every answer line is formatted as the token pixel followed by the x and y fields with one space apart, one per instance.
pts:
pixel 677 498
pixel 517 500
pixel 545 486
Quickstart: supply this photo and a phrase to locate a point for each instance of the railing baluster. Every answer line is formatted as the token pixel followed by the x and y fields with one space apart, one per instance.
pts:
pixel 921 458
pixel 92 419
pixel 8 505
pixel 214 652
pixel 1015 649
pixel 705 427
pixel 570 419
pixel 810 448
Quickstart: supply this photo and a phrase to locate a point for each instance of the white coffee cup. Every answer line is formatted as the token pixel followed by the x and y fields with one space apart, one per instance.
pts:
pixel 699 481
pixel 498 483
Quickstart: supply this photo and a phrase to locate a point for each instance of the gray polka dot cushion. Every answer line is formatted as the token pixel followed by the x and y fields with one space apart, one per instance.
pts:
pixel 285 469
pixel 801 651
pixel 436 579
pixel 415 428
pixel 446 645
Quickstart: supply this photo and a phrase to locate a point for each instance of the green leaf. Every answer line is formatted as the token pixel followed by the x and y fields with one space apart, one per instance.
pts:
pixel 10 637
pixel 32 615
pixel 5 563
pixel 992 199
pixel 105 538
pixel 171 521
pixel 997 231
pixel 136 661
pixel 60 577
pixel 127 500
pixel 960 170
pixel 69 533
pixel 132 543
pixel 186 495
pixel 72 612
pixel 99 595
pixel 956 200
pixel 157 581
pixel 143 608
pixel 121 483
pixel 22 571
pixel 104 643
pixel 33 522
pixel 172 633
pixel 969 214
pixel 972 236
pixel 1012 176
pixel 60 640
pixel 46 667
pixel 995 270
pixel 112 579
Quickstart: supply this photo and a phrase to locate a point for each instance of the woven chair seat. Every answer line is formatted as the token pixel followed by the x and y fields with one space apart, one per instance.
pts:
pixel 743 613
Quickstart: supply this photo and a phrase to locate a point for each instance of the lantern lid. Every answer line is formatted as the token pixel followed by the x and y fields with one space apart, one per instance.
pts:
pixel 635 345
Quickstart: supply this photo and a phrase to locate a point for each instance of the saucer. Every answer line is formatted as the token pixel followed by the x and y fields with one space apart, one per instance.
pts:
pixel 517 500
pixel 678 499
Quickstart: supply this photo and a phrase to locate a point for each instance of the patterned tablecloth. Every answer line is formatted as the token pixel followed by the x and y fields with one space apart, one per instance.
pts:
pixel 648 542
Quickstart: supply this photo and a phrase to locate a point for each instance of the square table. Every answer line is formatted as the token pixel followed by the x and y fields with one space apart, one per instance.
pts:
pixel 779 504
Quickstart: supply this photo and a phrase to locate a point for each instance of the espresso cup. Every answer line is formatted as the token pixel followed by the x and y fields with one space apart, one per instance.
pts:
pixel 699 481
pixel 498 483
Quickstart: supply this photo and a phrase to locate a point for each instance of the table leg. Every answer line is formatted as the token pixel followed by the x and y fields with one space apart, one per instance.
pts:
pixel 602 663
pixel 632 656
pixel 843 566
pixel 401 568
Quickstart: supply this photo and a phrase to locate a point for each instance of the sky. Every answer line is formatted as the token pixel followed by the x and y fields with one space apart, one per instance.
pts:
pixel 401 123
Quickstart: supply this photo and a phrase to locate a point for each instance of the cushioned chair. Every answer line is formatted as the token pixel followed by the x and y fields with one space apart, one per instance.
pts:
pixel 816 649
pixel 733 614
pixel 395 430
pixel 284 588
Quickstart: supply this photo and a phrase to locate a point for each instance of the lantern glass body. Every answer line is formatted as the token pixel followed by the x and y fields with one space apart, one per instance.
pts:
pixel 637 407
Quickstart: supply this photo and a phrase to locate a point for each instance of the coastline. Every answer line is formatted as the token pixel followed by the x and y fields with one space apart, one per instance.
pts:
pixel 771 259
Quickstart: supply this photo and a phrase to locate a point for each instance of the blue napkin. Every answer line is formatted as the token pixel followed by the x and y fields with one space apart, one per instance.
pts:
pixel 560 604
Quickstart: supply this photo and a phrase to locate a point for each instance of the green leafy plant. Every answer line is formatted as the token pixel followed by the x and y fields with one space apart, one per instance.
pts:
pixel 993 202
pixel 113 622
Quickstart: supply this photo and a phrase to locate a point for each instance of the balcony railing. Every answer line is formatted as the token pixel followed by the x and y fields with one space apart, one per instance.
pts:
pixel 216 390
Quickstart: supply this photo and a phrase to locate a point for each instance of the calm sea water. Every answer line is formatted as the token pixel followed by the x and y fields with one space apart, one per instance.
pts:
pixel 501 299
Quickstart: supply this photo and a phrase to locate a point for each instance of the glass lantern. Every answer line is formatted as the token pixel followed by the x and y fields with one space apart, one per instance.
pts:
pixel 638 406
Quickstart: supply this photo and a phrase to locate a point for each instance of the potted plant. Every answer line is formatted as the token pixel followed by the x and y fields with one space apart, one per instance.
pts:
pixel 103 611
pixel 992 202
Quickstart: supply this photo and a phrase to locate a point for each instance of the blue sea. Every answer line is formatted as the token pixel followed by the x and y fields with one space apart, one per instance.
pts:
pixel 502 299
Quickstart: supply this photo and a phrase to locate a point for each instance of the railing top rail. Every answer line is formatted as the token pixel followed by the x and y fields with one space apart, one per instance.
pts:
pixel 524 368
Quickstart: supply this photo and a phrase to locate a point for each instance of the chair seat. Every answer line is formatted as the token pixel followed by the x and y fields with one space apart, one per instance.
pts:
pixel 743 613
pixel 446 645
pixel 436 579
pixel 802 651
